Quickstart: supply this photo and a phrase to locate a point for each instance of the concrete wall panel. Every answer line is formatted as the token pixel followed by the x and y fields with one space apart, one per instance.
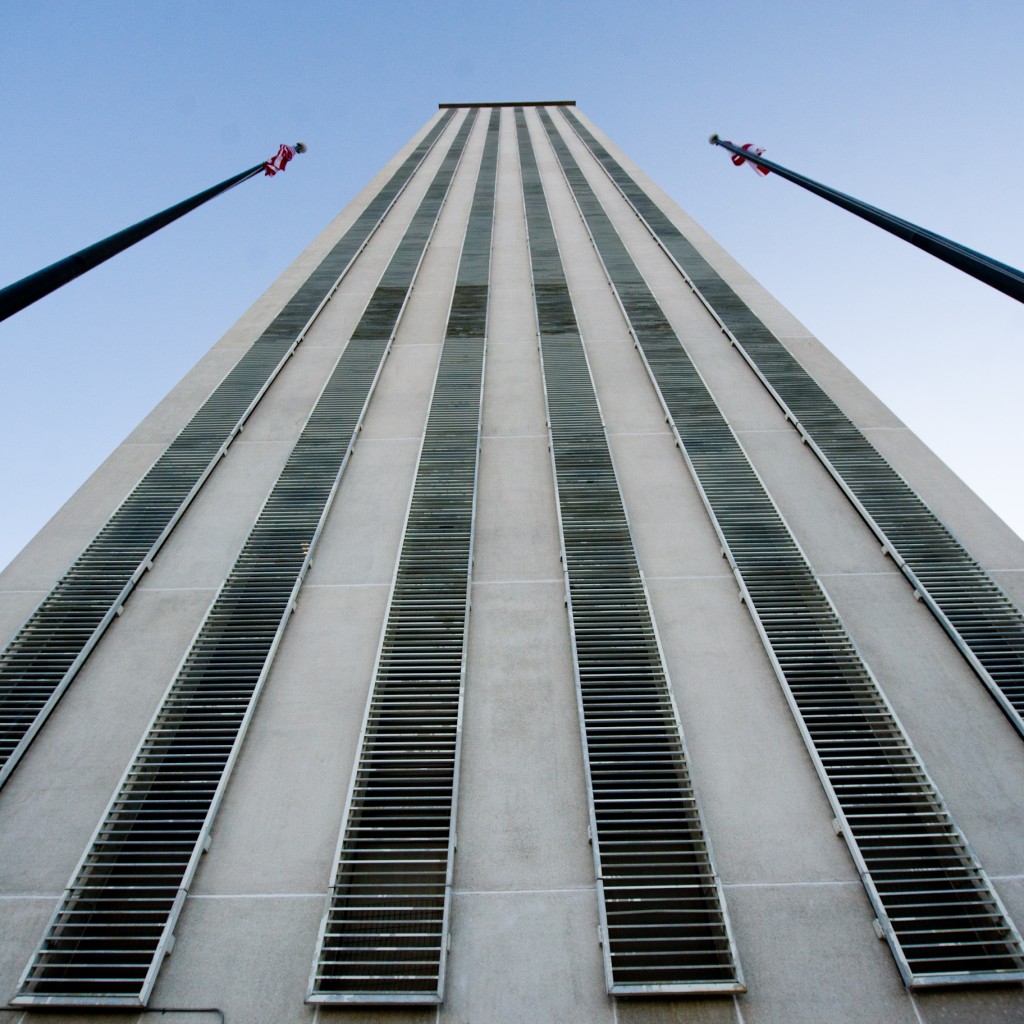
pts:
pixel 532 954
pixel 522 802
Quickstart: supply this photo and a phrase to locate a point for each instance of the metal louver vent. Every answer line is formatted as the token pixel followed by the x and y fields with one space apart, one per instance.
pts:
pixel 42 659
pixel 110 932
pixel 986 626
pixel 662 909
pixel 935 905
pixel 384 932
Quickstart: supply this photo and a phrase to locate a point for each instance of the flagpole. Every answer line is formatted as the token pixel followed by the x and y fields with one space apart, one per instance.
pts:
pixel 15 297
pixel 1001 276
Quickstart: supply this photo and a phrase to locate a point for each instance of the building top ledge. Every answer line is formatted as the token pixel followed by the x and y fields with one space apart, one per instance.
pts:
pixel 529 103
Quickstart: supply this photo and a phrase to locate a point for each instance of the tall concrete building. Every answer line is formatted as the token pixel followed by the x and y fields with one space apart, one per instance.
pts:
pixel 375 710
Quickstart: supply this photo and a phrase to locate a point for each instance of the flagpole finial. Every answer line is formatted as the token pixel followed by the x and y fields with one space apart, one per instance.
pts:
pixel 300 147
pixel 713 139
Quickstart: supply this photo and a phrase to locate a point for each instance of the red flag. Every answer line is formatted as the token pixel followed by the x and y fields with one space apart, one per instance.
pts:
pixel 739 161
pixel 279 161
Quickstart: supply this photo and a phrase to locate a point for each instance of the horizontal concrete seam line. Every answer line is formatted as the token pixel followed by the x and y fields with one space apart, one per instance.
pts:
pixel 511 437
pixel 365 439
pixel 525 892
pixel 502 583
pixel 175 590
pixel 343 586
pixel 791 885
pixel 1008 878
pixel 258 896
pixel 640 433
pixel 695 576
pixel 514 341
pixel 877 572
pixel 14 592
pixel 14 897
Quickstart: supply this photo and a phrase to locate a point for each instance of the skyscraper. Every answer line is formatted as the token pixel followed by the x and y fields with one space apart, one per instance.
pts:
pixel 381 701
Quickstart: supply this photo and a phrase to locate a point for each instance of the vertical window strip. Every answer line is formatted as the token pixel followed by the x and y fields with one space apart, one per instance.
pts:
pixel 935 905
pixel 114 925
pixel 384 934
pixel 982 621
pixel 42 659
pixel 664 922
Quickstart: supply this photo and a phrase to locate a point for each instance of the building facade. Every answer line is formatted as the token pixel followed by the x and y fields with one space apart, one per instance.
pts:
pixel 517 616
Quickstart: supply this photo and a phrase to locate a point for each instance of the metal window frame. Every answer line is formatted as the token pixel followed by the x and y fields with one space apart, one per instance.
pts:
pixel 316 995
pixel 730 960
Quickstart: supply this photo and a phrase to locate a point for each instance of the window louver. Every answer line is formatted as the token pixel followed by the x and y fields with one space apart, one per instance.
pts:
pixel 662 909
pixel 986 626
pixel 114 925
pixel 935 906
pixel 384 933
pixel 44 656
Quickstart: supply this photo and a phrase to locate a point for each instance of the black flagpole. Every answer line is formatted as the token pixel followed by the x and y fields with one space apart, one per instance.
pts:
pixel 17 296
pixel 1000 276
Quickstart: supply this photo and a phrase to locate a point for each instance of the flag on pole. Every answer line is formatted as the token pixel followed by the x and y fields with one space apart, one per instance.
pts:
pixel 757 151
pixel 280 159
pixel 1001 276
pixel 20 294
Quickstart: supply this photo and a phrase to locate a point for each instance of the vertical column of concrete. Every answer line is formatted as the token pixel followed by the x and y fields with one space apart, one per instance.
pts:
pixel 525 912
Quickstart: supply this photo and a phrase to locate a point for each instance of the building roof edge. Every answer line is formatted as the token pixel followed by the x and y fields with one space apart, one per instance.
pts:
pixel 533 103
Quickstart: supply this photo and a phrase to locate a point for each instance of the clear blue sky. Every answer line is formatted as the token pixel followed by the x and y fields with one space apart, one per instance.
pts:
pixel 113 110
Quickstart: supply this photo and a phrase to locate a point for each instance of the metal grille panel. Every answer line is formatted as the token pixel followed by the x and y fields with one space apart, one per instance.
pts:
pixel 935 905
pixel 43 658
pixel 384 933
pixel 662 908
pixel 114 925
pixel 986 626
